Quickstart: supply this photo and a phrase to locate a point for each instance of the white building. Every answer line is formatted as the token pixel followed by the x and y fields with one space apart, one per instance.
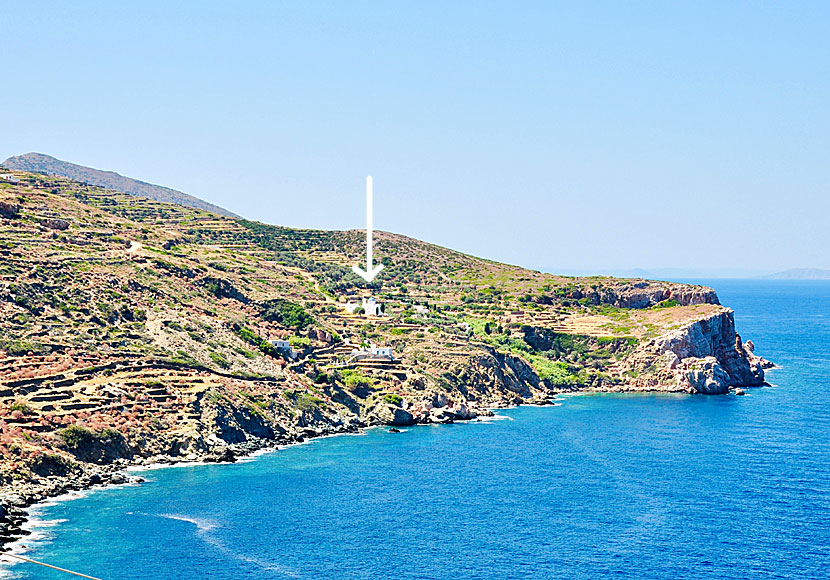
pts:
pixel 284 346
pixel 420 309
pixel 372 307
pixel 381 351
pixel 9 177
pixel 373 352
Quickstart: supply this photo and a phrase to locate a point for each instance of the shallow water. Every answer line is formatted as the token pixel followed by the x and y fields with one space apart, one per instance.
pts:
pixel 642 486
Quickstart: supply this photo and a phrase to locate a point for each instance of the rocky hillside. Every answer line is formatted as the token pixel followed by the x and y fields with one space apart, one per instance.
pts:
pixel 137 331
pixel 47 165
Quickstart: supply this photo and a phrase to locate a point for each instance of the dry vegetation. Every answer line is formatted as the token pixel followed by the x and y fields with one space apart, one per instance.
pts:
pixel 123 315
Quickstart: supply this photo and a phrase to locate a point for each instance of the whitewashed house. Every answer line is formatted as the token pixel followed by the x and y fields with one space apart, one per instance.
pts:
pixel 372 307
pixel 373 352
pixel 9 177
pixel 420 309
pixel 284 346
pixel 384 351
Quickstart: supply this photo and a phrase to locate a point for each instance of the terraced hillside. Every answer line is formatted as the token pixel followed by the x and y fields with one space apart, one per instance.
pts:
pixel 137 330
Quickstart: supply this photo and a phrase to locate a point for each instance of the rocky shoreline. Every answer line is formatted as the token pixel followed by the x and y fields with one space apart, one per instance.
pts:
pixel 706 357
pixel 15 504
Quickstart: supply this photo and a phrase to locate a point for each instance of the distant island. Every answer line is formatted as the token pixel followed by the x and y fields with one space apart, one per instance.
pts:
pixel 48 165
pixel 800 274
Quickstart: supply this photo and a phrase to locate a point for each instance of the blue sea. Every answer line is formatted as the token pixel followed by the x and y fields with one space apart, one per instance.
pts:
pixel 601 486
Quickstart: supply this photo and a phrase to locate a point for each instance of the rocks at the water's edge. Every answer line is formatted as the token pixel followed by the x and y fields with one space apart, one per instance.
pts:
pixel 13 513
pixel 706 356
pixel 12 517
pixel 435 409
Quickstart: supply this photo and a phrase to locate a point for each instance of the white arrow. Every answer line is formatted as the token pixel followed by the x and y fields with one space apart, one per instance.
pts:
pixel 370 272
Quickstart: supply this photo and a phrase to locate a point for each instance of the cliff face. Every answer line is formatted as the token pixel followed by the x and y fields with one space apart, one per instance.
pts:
pixel 705 356
pixel 645 293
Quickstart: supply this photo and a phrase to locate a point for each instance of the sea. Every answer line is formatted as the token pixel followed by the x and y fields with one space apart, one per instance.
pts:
pixel 598 486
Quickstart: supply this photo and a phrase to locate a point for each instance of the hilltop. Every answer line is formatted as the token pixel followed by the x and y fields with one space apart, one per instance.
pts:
pixel 47 165
pixel 138 331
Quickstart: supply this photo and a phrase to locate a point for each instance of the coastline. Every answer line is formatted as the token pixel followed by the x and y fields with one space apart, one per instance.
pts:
pixel 16 511
pixel 17 519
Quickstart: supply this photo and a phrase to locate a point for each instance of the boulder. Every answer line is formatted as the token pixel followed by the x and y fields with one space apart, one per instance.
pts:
pixel 56 224
pixel 9 210
pixel 704 375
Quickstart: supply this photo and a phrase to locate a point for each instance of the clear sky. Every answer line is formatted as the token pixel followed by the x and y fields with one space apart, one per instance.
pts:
pixel 552 135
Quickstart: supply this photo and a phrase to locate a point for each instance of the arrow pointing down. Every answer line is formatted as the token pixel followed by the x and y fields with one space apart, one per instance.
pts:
pixel 370 272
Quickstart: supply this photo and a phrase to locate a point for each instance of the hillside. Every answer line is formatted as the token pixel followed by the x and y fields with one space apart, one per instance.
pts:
pixel 800 274
pixel 47 165
pixel 138 331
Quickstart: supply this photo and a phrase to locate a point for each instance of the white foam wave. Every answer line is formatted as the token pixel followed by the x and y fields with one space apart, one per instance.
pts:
pixel 202 524
pixel 204 529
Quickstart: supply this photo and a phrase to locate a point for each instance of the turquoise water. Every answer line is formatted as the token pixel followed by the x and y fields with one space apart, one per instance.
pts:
pixel 602 486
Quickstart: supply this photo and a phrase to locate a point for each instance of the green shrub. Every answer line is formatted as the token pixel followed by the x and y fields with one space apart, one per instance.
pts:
pixel 22 407
pixel 287 314
pixel 355 379
pixel 263 345
pixel 392 399
pixel 299 341
pixel 22 347
pixel 220 359
pixel 307 402
pixel 76 436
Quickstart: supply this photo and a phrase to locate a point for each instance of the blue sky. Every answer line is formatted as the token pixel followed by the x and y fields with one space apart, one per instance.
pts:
pixel 556 136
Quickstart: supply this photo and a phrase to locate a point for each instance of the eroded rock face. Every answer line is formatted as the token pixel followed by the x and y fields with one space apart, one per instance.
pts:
pixel 706 356
pixel 56 224
pixel 645 294
pixel 704 375
pixel 9 210
pixel 490 372
pixel 235 424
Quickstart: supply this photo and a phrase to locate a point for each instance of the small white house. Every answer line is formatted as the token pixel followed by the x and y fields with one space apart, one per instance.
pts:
pixel 9 177
pixel 381 350
pixel 284 346
pixel 420 309
pixel 372 307
pixel 373 352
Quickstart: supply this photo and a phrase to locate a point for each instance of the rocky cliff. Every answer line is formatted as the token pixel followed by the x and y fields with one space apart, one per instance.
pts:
pixel 645 293
pixel 704 356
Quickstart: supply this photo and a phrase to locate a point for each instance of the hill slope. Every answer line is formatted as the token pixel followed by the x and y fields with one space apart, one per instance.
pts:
pixel 138 331
pixel 40 163
pixel 800 274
